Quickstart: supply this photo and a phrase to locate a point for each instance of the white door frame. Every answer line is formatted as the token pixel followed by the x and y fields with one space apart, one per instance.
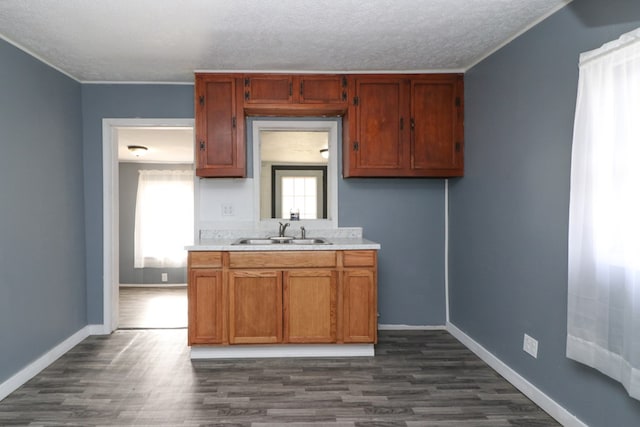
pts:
pixel 110 209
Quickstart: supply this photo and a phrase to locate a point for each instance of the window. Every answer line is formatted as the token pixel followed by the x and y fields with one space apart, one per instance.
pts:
pixel 301 189
pixel 604 216
pixel 164 218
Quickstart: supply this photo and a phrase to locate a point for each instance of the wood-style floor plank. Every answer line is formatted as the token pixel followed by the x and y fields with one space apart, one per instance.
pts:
pixel 145 377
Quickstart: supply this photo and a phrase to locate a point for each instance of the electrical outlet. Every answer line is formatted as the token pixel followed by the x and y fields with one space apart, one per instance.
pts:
pixel 227 210
pixel 165 277
pixel 530 346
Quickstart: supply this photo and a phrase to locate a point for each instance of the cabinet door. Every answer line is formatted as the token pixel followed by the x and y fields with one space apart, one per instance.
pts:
pixel 206 307
pixel 378 137
pixel 359 317
pixel 437 126
pixel 255 307
pixel 268 89
pixel 321 89
pixel 220 145
pixel 310 306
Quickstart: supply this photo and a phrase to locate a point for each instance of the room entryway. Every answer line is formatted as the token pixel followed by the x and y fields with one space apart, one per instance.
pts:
pixel 153 307
pixel 148 173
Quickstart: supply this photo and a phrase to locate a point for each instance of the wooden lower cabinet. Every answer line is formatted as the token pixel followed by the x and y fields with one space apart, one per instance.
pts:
pixel 359 319
pixel 206 307
pixel 310 306
pixel 255 307
pixel 288 297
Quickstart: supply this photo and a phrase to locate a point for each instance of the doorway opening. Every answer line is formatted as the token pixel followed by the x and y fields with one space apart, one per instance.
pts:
pixel 145 283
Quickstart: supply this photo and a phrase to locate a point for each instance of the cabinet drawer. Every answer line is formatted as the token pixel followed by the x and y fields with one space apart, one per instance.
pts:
pixel 359 258
pixel 205 259
pixel 282 259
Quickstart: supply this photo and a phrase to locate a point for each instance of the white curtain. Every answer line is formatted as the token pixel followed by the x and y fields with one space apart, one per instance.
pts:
pixel 603 329
pixel 164 218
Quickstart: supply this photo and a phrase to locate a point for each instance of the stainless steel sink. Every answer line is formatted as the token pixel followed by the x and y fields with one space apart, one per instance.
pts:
pixel 255 241
pixel 311 241
pixel 280 241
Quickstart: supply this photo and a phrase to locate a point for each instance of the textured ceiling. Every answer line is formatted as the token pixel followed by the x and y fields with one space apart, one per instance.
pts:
pixel 166 40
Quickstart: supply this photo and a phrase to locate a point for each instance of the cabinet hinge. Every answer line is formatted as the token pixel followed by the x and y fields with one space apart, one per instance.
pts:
pixel 301 88
pixel 344 96
pixel 247 81
pixel 356 146
pixel 247 96
pixel 344 81
pixel 356 100
pixel 458 101
pixel 412 123
pixel 202 100
pixel 458 147
pixel 233 122
pixel 401 123
pixel 201 145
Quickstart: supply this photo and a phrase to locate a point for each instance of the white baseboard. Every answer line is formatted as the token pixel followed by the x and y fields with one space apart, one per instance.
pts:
pixel 412 327
pixel 152 285
pixel 34 368
pixel 282 350
pixel 549 405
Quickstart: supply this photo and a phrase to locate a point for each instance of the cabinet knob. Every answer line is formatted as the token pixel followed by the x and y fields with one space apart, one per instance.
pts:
pixel 201 145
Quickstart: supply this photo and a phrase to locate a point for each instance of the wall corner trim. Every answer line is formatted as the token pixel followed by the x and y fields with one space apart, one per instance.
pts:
pixel 38 365
pixel 553 408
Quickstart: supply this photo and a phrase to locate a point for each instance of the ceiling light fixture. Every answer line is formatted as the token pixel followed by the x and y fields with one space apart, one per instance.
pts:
pixel 137 150
pixel 324 152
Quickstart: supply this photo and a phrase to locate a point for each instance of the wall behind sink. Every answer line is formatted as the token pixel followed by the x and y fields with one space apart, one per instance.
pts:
pixel 405 216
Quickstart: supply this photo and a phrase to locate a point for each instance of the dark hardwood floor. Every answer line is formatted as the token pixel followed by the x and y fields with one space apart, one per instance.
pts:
pixel 145 377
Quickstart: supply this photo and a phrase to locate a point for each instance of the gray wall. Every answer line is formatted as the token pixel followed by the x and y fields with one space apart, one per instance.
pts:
pixel 406 216
pixel 101 101
pixel 509 214
pixel 42 261
pixel 128 192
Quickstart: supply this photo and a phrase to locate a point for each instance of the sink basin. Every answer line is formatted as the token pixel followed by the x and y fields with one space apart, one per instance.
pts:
pixel 281 241
pixel 312 241
pixel 259 241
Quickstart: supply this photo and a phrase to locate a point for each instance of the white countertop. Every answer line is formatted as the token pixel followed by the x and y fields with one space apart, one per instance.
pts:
pixel 341 239
pixel 337 244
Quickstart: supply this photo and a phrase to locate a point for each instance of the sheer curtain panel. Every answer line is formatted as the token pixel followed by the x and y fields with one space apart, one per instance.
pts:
pixel 164 218
pixel 603 329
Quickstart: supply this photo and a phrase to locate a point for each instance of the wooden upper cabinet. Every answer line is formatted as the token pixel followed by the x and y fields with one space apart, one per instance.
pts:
pixel 220 145
pixel 405 126
pixel 378 127
pixel 321 89
pixel 437 134
pixel 268 89
pixel 295 89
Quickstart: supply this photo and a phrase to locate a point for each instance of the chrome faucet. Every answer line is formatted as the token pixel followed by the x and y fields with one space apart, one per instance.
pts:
pixel 303 232
pixel 283 227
